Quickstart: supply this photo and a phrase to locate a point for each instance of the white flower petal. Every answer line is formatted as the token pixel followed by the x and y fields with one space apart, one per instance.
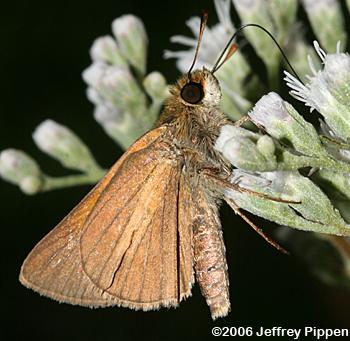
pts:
pixel 184 40
pixel 311 65
pixel 213 41
pixel 319 51
pixel 193 24
pixel 223 11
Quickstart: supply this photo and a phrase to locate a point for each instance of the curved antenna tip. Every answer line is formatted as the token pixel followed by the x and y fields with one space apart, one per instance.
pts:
pixel 204 19
pixel 217 66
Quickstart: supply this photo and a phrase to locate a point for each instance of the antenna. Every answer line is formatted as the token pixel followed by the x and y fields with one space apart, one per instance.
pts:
pixel 204 20
pixel 228 48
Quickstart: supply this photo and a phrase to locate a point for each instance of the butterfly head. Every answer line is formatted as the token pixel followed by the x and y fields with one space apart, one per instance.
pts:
pixel 201 88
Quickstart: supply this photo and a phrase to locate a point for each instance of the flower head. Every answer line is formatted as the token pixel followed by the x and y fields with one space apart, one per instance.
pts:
pixel 121 106
pixel 314 212
pixel 19 168
pixel 329 30
pixel 105 49
pixel 327 90
pixel 132 38
pixel 245 149
pixel 156 86
pixel 62 144
pixel 279 119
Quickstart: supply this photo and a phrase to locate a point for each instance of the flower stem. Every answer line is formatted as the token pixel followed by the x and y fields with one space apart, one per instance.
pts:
pixel 51 183
pixel 294 162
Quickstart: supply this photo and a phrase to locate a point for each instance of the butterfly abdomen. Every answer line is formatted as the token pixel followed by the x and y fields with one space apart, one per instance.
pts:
pixel 209 256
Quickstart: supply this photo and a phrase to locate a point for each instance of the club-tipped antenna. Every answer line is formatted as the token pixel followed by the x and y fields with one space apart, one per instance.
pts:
pixel 228 48
pixel 204 19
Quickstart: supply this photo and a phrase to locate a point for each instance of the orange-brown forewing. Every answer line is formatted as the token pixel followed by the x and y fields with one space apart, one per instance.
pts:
pixel 128 242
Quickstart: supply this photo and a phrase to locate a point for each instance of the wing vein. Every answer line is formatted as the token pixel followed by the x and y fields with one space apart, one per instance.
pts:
pixel 162 256
pixel 178 289
pixel 105 230
pixel 133 257
pixel 146 260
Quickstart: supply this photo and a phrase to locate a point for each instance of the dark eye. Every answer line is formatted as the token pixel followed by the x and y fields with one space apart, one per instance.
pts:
pixel 192 92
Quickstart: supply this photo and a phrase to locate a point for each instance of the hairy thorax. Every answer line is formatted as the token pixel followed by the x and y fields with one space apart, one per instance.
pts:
pixel 193 135
pixel 191 138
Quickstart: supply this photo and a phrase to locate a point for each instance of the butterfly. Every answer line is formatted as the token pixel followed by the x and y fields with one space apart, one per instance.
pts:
pixel 151 226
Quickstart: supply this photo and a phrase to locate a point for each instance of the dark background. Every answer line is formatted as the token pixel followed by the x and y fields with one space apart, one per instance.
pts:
pixel 44 48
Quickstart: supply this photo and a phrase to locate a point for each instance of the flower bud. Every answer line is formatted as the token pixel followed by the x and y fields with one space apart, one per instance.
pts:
pixel 93 96
pixel 239 146
pixel 122 90
pixel 283 15
pixel 333 30
pixel 117 87
pixel 105 50
pixel 266 146
pixel 104 114
pixel 132 39
pixel 62 144
pixel 31 185
pixel 284 123
pixel 156 86
pixel 20 169
pixel 94 74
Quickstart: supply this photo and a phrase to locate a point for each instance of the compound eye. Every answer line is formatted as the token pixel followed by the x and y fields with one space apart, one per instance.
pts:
pixel 192 93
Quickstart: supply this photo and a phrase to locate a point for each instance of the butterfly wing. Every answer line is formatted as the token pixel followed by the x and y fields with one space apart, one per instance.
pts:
pixel 128 241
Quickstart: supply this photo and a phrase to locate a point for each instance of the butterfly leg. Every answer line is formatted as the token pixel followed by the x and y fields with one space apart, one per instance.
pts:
pixel 225 184
pixel 257 229
pixel 241 121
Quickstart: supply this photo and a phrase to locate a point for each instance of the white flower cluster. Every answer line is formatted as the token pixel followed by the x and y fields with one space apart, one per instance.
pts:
pixel 121 106
pixel 60 143
pixel 328 90
pixel 293 143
